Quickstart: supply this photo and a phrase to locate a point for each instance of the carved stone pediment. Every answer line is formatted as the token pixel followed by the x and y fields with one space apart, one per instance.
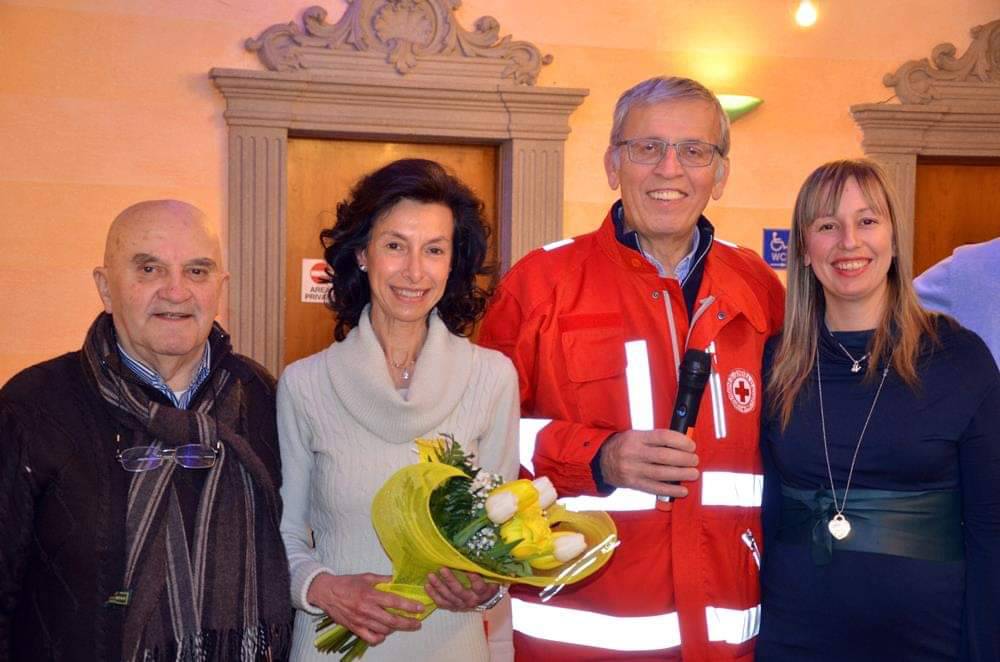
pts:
pixel 416 38
pixel 975 76
pixel 398 70
pixel 949 106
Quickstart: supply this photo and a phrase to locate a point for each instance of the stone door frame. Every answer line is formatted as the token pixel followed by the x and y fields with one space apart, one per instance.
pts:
pixel 387 70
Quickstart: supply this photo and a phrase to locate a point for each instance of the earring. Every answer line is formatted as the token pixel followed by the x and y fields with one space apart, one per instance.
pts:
pixel 362 267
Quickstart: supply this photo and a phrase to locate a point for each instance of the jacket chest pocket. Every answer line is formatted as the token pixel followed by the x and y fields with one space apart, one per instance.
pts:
pixel 593 351
pixel 732 403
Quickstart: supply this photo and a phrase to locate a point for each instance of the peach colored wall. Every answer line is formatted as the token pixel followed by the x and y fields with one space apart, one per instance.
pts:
pixel 106 102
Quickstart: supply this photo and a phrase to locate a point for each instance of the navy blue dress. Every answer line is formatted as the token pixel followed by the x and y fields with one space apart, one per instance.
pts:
pixel 945 436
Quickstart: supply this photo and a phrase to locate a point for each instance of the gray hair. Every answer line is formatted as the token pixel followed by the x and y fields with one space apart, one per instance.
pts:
pixel 666 88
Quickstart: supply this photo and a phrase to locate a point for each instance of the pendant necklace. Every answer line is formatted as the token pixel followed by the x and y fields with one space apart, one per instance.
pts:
pixel 406 366
pixel 857 362
pixel 839 526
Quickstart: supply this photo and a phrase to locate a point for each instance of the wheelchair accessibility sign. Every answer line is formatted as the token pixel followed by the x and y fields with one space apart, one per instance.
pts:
pixel 775 249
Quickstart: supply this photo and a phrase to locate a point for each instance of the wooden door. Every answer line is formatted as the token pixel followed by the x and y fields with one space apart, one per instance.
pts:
pixel 957 202
pixel 320 174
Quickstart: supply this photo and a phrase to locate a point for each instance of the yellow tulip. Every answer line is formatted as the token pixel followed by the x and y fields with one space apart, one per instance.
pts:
pixel 566 545
pixel 546 491
pixel 429 450
pixel 532 530
pixel 500 507
pixel 524 490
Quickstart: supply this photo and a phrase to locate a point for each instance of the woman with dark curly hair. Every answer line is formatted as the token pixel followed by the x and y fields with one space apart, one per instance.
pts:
pixel 404 255
pixel 420 181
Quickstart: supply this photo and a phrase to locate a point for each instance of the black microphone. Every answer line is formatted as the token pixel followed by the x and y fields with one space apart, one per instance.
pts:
pixel 690 385
pixel 691 381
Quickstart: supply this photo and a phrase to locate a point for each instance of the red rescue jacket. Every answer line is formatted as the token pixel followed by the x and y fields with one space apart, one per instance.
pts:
pixel 597 337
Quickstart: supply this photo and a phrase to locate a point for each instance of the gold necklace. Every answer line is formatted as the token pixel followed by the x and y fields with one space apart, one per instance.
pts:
pixel 839 526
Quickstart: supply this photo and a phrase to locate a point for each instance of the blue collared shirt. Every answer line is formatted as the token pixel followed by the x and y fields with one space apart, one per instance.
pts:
pixel 152 378
pixel 690 270
pixel 631 239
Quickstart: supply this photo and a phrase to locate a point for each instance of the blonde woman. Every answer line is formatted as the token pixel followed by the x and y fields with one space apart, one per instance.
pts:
pixel 882 449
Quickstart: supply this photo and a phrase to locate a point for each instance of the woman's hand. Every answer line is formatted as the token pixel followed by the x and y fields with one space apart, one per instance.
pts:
pixel 446 591
pixel 354 602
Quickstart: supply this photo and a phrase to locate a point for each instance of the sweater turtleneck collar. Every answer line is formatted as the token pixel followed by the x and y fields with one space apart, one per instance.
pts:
pixel 361 380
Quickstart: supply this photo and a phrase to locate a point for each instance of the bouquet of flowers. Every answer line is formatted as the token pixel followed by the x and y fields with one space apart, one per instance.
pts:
pixel 446 512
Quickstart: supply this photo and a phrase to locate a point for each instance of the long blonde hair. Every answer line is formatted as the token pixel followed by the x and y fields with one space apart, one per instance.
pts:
pixel 903 322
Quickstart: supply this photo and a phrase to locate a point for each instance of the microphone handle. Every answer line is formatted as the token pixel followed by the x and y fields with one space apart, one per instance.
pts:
pixel 691 385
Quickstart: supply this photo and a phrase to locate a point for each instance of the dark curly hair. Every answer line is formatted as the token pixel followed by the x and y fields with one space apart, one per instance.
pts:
pixel 371 198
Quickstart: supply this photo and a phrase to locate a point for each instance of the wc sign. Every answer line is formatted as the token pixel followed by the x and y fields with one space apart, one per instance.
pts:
pixel 775 249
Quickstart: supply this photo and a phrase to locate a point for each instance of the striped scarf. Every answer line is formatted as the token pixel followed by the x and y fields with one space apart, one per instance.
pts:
pixel 223 594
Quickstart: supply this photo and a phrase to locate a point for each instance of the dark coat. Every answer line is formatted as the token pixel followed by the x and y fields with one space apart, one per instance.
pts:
pixel 63 499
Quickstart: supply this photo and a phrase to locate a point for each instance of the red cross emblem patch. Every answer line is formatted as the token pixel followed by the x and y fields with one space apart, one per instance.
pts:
pixel 742 391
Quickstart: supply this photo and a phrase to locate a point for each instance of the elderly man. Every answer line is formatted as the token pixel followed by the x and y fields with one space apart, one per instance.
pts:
pixel 597 327
pixel 139 482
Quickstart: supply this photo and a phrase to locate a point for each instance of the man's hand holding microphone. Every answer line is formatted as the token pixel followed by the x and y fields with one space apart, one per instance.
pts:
pixel 656 461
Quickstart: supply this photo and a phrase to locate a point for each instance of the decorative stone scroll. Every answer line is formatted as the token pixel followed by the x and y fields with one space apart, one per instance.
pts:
pixel 396 70
pixel 949 106
pixel 408 34
pixel 974 76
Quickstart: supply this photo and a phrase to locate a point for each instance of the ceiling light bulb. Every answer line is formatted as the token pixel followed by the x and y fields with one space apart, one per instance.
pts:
pixel 806 14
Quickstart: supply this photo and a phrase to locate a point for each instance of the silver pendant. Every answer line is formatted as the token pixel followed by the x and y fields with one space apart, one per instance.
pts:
pixel 839 527
pixel 856 367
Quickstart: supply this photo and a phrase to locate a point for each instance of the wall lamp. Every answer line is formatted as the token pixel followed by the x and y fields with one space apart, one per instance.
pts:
pixel 738 105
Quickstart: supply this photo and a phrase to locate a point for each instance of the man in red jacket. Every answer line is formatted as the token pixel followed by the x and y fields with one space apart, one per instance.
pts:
pixel 597 327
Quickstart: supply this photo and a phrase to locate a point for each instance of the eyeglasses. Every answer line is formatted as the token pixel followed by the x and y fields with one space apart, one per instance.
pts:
pixel 650 151
pixel 147 458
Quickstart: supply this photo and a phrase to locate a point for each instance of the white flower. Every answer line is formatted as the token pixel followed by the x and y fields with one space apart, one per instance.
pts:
pixel 546 491
pixel 568 546
pixel 484 481
pixel 501 506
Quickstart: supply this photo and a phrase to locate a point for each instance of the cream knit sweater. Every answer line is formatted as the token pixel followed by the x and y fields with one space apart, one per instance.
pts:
pixel 344 429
